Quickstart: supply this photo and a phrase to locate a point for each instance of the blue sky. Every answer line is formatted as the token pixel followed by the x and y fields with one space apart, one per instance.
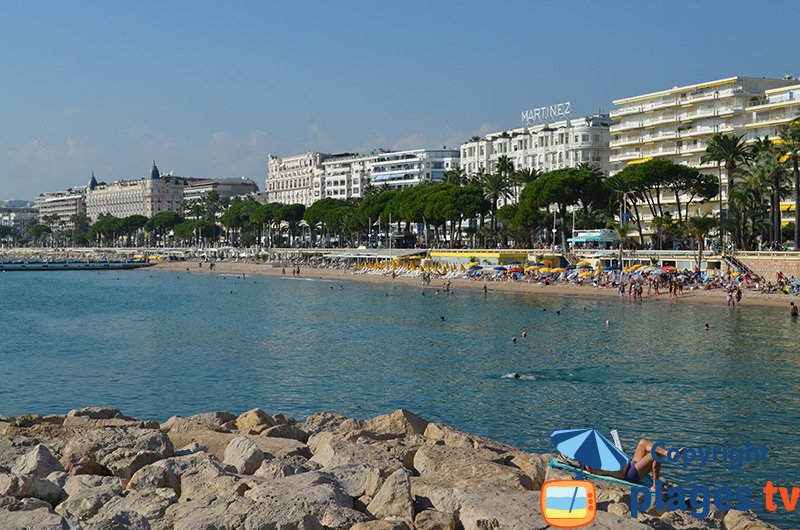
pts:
pixel 210 88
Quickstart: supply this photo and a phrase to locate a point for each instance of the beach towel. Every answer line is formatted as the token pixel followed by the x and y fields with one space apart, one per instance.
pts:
pixel 558 464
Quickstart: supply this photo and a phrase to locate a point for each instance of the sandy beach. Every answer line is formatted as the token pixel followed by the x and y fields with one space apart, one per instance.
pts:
pixel 712 297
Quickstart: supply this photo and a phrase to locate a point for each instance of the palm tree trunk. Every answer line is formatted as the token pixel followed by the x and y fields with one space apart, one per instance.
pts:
pixel 796 171
pixel 700 252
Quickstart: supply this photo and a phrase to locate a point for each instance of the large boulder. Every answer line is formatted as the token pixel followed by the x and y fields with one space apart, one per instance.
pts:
pixel 286 431
pixel 396 424
pixel 39 461
pixel 97 413
pixel 24 486
pixel 243 454
pixel 209 477
pixel 313 492
pixel 434 520
pixel 331 450
pixel 211 421
pixel 217 442
pixel 254 421
pixel 357 480
pixel 225 513
pixel 467 467
pixel 150 505
pixel 12 449
pixel 327 421
pixel 739 520
pixel 125 520
pixel 394 498
pixel 106 447
pixel 123 463
pixel 29 514
pixel 341 518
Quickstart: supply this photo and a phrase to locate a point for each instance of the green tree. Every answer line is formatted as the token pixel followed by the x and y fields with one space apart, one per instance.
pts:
pixel 38 232
pixel 731 152
pixel 291 214
pixel 162 223
pixel 496 187
pixel 790 138
pixel 698 226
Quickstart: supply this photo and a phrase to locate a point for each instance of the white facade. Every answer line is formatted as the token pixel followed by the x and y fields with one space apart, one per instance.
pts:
pixel 677 123
pixel 226 188
pixel 545 147
pixel 144 196
pixel 403 169
pixel 62 204
pixel 343 176
pixel 290 179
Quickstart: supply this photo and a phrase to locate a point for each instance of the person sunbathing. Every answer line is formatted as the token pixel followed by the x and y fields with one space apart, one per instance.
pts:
pixel 641 465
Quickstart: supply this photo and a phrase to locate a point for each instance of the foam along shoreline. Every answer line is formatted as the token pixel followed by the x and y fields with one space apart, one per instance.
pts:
pixel 95 468
pixel 711 297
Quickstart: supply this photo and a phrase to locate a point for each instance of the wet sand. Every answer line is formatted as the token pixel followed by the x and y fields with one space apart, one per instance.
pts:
pixel 713 297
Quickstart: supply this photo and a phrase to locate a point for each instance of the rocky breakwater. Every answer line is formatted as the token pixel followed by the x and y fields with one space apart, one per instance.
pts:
pixel 97 469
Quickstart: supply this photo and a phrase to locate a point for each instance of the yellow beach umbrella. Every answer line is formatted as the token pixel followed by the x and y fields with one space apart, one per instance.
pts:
pixel 584 262
pixel 586 274
pixel 558 269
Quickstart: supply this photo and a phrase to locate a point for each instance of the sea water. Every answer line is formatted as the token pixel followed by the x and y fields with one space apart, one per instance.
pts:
pixel 156 343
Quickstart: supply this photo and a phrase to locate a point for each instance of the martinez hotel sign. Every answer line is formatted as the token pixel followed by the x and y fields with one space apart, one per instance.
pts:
pixel 546 114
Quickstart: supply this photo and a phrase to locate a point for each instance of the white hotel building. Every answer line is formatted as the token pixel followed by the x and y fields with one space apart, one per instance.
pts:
pixel 342 176
pixel 62 204
pixel 403 169
pixel 290 179
pixel 545 147
pixel 144 196
pixel 677 123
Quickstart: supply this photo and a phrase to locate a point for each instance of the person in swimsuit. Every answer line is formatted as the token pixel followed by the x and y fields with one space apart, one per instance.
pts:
pixel 639 466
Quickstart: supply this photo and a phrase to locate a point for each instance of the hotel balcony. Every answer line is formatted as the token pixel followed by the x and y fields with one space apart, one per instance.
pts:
pixel 624 157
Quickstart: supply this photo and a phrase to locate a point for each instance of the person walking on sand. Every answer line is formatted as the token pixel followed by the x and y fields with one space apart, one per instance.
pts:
pixel 729 297
pixel 792 310
pixel 485 288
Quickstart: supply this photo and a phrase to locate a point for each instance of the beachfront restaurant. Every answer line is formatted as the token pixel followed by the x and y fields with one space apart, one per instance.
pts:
pixel 594 239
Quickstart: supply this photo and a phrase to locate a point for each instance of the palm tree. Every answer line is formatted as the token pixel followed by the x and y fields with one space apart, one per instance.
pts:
pixel 790 138
pixel 495 187
pixel 521 177
pixel 699 226
pixel 454 176
pixel 767 171
pixel 622 231
pixel 729 150
pixel 660 224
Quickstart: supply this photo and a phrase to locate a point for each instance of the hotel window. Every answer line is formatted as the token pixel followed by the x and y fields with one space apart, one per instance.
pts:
pixel 584 138
pixel 596 138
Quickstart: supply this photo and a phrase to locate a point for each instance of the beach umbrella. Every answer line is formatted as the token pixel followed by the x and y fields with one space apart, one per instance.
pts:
pixel 544 269
pixel 558 269
pixel 590 448
pixel 515 269
pixel 583 263
pixel 669 268
pixel 500 268
pixel 586 274
pixel 585 267
pixel 475 268
pixel 611 268
pixel 658 272
pixel 531 268
pixel 634 267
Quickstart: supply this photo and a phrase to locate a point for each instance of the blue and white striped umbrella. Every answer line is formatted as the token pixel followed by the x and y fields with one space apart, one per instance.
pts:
pixel 590 448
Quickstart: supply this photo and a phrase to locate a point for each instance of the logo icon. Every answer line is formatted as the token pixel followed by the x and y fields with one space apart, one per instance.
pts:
pixel 568 503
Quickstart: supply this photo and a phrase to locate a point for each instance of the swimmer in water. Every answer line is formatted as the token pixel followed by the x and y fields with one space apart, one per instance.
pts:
pixel 514 340
pixel 705 327
pixel 524 334
pixel 520 376
pixel 441 317
pixel 608 323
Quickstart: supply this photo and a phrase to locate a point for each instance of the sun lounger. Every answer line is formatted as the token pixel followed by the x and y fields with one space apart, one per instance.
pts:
pixel 559 464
